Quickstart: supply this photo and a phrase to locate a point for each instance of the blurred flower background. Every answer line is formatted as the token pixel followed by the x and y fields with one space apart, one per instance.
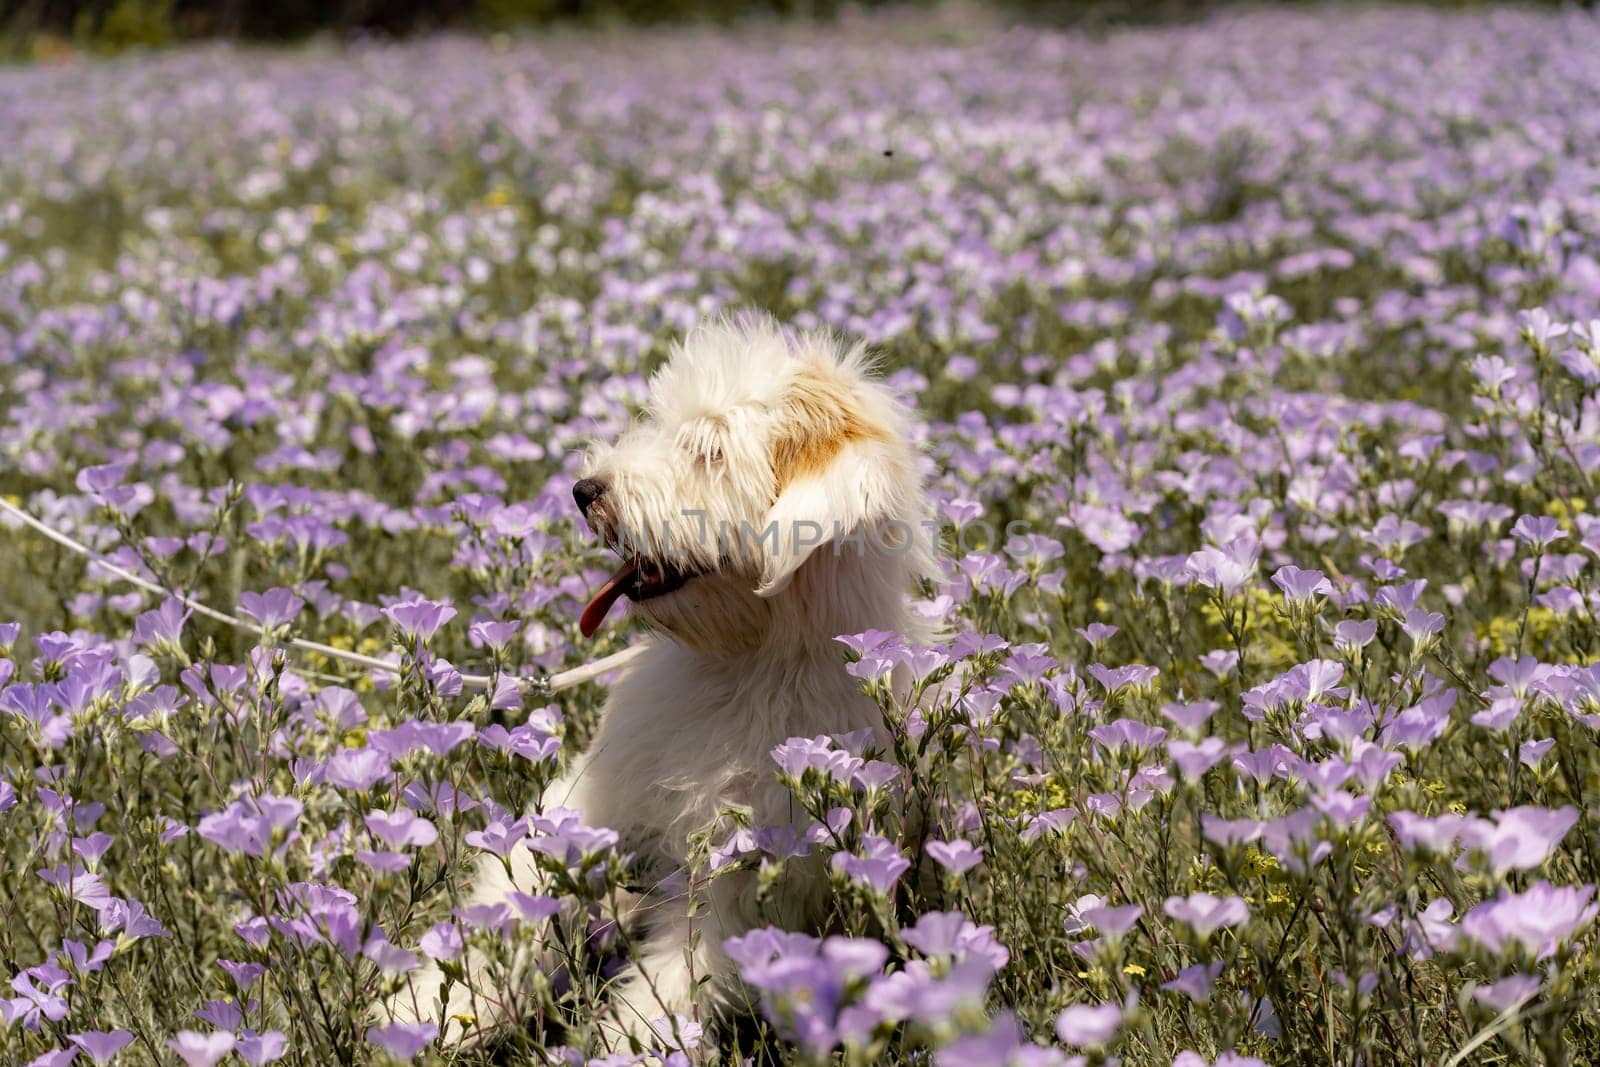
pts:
pixel 1268 735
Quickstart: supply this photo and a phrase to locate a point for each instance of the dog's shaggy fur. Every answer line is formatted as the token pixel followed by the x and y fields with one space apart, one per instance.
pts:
pixel 752 434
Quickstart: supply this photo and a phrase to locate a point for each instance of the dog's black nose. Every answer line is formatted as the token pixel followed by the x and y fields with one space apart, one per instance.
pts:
pixel 587 491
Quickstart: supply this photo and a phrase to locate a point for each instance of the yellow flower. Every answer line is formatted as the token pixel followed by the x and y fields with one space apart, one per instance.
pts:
pixel 1558 508
pixel 1257 862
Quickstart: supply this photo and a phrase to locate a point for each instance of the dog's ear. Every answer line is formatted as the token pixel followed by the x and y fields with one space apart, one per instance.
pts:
pixel 841 472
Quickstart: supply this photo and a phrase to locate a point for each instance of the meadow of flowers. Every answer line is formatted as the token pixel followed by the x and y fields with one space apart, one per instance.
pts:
pixel 1267 735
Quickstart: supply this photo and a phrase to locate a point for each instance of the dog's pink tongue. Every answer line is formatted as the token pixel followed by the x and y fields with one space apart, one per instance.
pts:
pixel 594 613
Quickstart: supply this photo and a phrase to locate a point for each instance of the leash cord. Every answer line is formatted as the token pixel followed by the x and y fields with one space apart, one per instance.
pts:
pixel 541 684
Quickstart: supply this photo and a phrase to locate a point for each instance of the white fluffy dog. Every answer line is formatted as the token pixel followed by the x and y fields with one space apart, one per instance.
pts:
pixel 770 500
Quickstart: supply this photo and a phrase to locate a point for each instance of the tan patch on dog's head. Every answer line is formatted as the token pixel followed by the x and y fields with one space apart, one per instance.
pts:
pixel 819 417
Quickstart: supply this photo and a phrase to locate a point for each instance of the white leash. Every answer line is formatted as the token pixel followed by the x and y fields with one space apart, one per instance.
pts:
pixel 538 684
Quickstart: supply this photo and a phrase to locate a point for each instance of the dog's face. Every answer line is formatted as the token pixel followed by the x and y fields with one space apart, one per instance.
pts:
pixel 758 454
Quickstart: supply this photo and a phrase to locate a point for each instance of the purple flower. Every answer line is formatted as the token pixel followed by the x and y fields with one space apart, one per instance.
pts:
pixel 272 609
pixel 442 942
pixel 920 661
pixel 1207 914
pixel 1193 760
pixel 804 981
pixel 526 741
pixel 438 738
pixel 390 959
pixel 1047 822
pixel 1265 764
pixel 78 884
pixel 1227 570
pixel 938 933
pixel 561 833
pixel 1225 1059
pixel 201 1050
pixel 493 634
pixel 876 774
pixel 85 961
pixel 222 1014
pixel 252 825
pixel 1097 633
pixel 878 865
pixel 499 836
pixel 419 620
pixel 259 1049
pixel 1536 921
pixel 129 917
pixel 1301 585
pixel 1195 982
pixel 1028 663
pixel 799 754
pixel 1519 676
pixel 1537 531
pixel 1419 726
pixel 1421 626
pixel 1133 676
pixel 402 828
pixel 919 992
pixel 869 641
pixel 1532 753
pixel 161 630
pixel 1089 1025
pixel 389 862
pixel 1111 922
pixel 1422 834
pixel 1293 840
pixel 1190 717
pixel 957 857
pixel 1353 634
pixel 39 997
pixel 1127 732
pixel 535 909
pixel 1003 1044
pixel 1227 833
pixel 1342 809
pixel 244 975
pixel 403 1041
pixel 1508 993
pixel 357 768
pixel 1519 839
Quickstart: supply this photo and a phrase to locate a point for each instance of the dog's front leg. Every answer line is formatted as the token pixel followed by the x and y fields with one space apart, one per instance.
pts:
pixel 669 980
pixel 679 973
pixel 492 995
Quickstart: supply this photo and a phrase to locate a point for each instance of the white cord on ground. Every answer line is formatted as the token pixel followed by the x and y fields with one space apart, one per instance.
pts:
pixel 553 683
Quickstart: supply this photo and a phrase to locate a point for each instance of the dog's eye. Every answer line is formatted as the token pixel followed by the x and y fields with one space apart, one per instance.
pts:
pixel 702 441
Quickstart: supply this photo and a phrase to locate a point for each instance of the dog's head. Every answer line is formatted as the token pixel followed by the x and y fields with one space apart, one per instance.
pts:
pixel 771 482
